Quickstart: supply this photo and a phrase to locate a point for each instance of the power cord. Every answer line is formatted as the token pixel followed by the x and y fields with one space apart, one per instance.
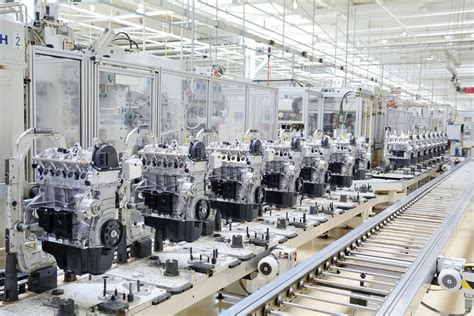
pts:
pixel 431 308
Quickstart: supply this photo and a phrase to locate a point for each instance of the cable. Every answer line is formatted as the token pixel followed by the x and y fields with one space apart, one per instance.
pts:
pixel 431 308
pixel 127 39
pixel 341 109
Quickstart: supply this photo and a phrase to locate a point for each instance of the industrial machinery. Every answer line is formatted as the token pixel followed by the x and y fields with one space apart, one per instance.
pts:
pixel 281 178
pixel 454 274
pixel 136 234
pixel 235 175
pixel 184 107
pixel 314 167
pixel 299 108
pixel 362 156
pixel 171 191
pixel 382 267
pixel 342 160
pixel 400 150
pixel 280 260
pixel 70 207
pixel 407 149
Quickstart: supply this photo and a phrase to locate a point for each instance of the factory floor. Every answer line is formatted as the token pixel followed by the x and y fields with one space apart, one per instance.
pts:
pixel 461 245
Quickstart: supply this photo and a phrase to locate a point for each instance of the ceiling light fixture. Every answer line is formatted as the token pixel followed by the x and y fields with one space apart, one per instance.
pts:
pixel 295 4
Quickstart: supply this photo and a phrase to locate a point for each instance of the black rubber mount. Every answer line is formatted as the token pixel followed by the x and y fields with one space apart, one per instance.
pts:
pixel 175 230
pixel 341 181
pixel 314 189
pixel 280 198
pixel 80 260
pixel 236 211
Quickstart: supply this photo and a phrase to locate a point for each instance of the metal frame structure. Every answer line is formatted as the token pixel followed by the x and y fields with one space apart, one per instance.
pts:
pixel 360 124
pixel 90 69
pixel 54 53
pixel 101 64
pixel 306 93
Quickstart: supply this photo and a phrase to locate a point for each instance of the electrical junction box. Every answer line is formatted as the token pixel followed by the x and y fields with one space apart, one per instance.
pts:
pixel 132 169
pixel 214 161
pixel 268 155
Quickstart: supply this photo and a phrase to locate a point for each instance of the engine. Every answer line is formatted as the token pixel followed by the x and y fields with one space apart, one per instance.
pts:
pixel 73 206
pixel 314 167
pixel 235 178
pixel 405 149
pixel 281 178
pixel 341 161
pixel 401 150
pixel 362 157
pixel 171 193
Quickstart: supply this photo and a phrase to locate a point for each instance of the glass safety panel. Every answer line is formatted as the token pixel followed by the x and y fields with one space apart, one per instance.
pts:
pixel 57 97
pixel 313 109
pixel 228 110
pixel 183 107
pixel 290 107
pixel 124 103
pixel 332 113
pixel 262 104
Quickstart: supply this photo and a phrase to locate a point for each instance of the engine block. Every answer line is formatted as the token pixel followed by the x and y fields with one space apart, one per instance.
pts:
pixel 281 178
pixel 72 208
pixel 341 161
pixel 408 148
pixel 362 156
pixel 314 167
pixel 171 193
pixel 235 178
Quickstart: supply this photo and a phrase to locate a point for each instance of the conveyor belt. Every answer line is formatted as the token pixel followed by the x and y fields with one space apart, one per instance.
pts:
pixel 381 266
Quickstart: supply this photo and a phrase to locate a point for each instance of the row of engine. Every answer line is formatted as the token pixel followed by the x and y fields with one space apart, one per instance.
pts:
pixel 84 204
pixel 408 148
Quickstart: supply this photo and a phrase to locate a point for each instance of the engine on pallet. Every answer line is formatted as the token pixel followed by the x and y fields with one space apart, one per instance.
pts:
pixel 171 192
pixel 440 143
pixel 413 148
pixel 401 150
pixel 281 178
pixel 362 157
pixel 74 206
pixel 341 161
pixel 235 178
pixel 314 167
pixel 436 144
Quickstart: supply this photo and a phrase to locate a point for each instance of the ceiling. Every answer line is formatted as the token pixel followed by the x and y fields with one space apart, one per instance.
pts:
pixel 425 47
